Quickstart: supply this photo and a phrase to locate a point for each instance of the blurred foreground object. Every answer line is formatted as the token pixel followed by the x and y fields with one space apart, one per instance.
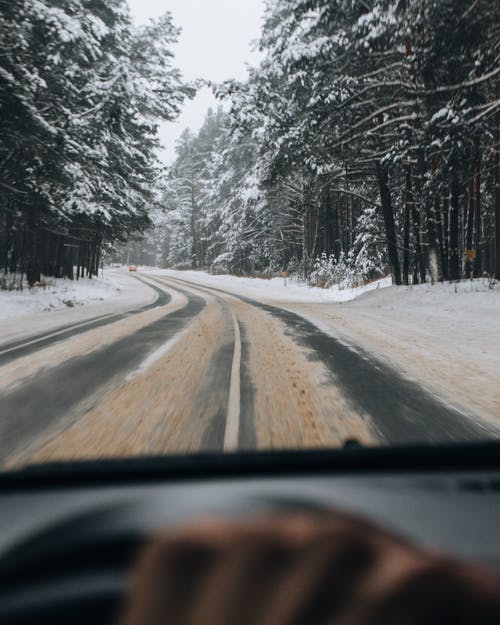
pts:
pixel 304 570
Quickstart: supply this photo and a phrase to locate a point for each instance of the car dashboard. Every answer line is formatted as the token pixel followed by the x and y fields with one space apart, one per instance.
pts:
pixel 69 532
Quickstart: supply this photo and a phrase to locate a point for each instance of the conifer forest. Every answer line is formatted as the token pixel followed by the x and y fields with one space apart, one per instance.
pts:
pixel 365 142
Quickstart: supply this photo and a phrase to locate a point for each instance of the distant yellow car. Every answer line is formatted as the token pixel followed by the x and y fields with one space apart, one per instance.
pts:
pixel 132 268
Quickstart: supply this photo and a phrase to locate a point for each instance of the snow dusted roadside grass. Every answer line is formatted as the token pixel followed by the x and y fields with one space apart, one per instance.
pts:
pixel 30 312
pixel 445 337
pixel 58 294
pixel 468 295
pixel 276 289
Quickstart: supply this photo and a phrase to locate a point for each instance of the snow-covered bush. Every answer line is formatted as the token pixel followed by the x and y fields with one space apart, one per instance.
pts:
pixel 11 281
pixel 295 268
pixel 329 271
pixel 221 264
pixel 368 256
pixel 323 274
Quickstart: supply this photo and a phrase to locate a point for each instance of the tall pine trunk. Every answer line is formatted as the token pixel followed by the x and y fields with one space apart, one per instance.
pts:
pixel 477 209
pixel 441 232
pixel 419 273
pixel 390 226
pixel 497 194
pixel 406 227
pixel 433 264
pixel 454 258
pixel 470 226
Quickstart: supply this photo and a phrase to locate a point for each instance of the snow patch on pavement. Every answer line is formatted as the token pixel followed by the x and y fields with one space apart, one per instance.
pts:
pixel 178 301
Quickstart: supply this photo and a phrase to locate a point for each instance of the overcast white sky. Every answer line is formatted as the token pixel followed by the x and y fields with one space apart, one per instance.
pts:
pixel 215 44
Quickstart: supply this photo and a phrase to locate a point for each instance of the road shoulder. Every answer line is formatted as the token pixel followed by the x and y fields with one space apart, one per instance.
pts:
pixel 124 292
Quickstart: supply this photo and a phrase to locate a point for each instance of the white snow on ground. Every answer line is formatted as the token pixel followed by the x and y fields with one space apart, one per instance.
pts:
pixel 275 289
pixel 23 313
pixel 57 294
pixel 444 336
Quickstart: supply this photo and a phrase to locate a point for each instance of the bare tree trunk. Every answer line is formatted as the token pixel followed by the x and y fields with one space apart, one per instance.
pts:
pixel 454 259
pixel 497 195
pixel 419 265
pixel 406 227
pixel 469 263
pixel 446 238
pixel 194 260
pixel 305 244
pixel 340 227
pixel 32 264
pixel 390 226
pixel 428 212
pixel 477 209
pixel 441 233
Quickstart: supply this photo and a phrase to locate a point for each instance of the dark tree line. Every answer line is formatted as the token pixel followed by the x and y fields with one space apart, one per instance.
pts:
pixel 81 94
pixel 367 139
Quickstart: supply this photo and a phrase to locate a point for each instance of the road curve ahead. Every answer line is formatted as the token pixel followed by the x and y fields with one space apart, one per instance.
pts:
pixel 218 372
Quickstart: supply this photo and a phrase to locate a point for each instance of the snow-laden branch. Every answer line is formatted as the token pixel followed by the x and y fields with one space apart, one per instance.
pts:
pixel 460 86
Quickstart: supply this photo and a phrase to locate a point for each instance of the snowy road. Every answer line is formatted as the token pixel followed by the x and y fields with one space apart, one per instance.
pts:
pixel 204 369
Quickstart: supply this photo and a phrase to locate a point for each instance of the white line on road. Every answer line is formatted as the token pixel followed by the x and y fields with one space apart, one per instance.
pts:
pixel 76 326
pixel 232 430
pixel 231 434
pixel 56 333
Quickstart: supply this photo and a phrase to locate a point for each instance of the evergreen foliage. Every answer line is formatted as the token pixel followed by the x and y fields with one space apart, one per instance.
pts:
pixel 368 133
pixel 81 93
pixel 366 140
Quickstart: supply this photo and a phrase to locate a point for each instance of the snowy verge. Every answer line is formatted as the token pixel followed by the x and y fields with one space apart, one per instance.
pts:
pixel 39 309
pixel 57 294
pixel 274 289
pixel 446 337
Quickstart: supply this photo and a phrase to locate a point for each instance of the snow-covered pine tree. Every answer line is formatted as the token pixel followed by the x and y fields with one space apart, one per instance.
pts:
pixel 81 94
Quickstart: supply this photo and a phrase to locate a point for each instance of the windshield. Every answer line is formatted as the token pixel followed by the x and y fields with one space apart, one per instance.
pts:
pixel 230 226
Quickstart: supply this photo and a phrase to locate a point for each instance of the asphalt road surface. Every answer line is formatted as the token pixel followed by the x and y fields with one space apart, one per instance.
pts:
pixel 202 369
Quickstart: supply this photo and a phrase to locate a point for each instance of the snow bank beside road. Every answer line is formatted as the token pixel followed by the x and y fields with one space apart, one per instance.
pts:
pixel 58 294
pixel 446 337
pixel 23 313
pixel 275 289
